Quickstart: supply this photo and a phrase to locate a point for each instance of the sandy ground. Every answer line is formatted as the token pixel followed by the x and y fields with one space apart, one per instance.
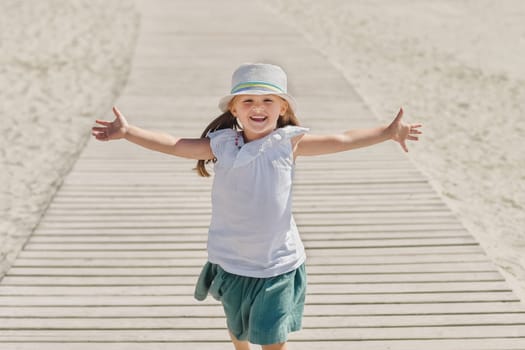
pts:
pixel 62 62
pixel 457 67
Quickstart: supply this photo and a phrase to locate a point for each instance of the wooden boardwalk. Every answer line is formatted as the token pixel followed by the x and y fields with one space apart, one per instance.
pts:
pixel 114 261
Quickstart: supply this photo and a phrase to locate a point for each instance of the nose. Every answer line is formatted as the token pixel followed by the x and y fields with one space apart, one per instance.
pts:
pixel 257 107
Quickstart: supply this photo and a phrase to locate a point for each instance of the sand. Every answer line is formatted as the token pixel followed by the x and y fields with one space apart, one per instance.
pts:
pixel 62 63
pixel 457 67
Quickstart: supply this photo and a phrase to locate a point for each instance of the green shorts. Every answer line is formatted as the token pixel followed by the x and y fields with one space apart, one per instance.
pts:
pixel 260 310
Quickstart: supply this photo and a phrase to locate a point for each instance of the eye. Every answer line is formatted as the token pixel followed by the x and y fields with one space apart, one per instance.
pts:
pixel 248 100
pixel 268 100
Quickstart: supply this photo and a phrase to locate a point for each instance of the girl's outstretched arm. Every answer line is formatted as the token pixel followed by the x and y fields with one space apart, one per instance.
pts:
pixel 193 148
pixel 311 145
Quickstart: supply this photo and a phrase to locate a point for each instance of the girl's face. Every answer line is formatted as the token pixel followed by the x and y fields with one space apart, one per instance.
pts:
pixel 258 114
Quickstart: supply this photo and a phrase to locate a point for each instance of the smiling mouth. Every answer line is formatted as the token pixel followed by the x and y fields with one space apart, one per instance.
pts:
pixel 258 119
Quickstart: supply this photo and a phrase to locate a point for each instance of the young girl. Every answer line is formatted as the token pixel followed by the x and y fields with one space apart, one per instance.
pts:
pixel 255 255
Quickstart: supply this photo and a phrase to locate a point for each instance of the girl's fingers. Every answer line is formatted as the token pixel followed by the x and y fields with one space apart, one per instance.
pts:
pixel 399 115
pixel 102 122
pixel 117 112
pixel 97 132
pixel 108 129
pixel 405 131
pixel 404 146
pixel 99 136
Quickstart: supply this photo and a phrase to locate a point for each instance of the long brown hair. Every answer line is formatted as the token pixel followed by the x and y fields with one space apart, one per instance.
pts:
pixel 228 121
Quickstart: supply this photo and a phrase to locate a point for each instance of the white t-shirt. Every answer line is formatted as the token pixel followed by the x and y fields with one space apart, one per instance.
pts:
pixel 252 231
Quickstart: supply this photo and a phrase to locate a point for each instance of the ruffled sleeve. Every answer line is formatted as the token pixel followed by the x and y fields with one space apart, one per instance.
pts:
pixel 290 131
pixel 221 142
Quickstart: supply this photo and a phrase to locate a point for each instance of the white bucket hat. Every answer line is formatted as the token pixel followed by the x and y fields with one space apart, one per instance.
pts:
pixel 258 79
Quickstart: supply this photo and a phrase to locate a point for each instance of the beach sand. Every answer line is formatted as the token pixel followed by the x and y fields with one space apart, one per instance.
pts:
pixel 63 62
pixel 457 67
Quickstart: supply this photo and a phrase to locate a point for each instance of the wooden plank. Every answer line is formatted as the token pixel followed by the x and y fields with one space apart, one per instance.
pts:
pixel 200 245
pixel 127 209
pixel 175 335
pixel 219 322
pixel 193 267
pixel 405 277
pixel 472 262
pixel 415 308
pixel 311 213
pixel 384 173
pixel 116 254
pixel 417 344
pixel 313 299
pixel 89 206
pixel 171 225
pixel 123 345
pixel 116 246
pixel 410 298
pixel 189 279
pixel 388 251
pixel 344 217
pixel 115 311
pixel 167 324
pixel 207 310
pixel 201 236
pixel 187 290
pixel 316 253
pixel 198 228
pixel 405 287
pixel 429 344
pixel 94 290
pixel 186 285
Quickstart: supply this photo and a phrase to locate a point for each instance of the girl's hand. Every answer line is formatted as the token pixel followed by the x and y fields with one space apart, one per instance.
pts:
pixel 400 132
pixel 111 130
